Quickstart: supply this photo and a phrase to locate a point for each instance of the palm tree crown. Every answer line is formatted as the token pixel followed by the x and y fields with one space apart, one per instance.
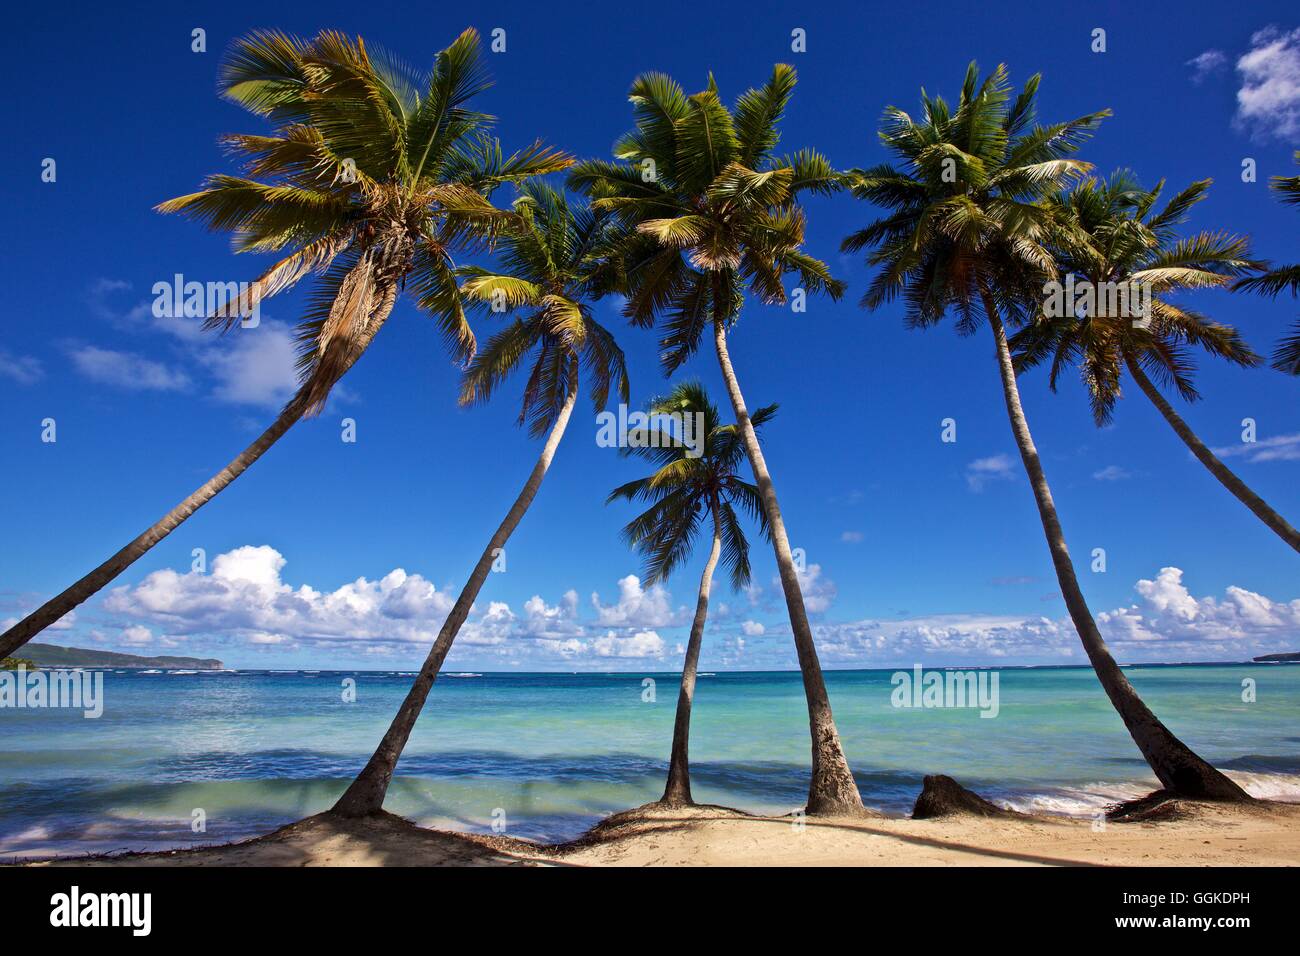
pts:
pixel 966 227
pixel 551 266
pixel 1110 232
pixel 688 489
pixel 1275 281
pixel 707 209
pixel 372 177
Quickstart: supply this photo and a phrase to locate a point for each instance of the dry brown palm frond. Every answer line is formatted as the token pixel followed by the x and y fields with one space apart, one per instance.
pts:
pixel 313 257
pixel 715 252
pixel 343 351
pixel 352 307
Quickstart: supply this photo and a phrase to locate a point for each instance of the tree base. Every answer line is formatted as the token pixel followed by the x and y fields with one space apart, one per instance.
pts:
pixel 364 798
pixel 675 799
pixel 1195 779
pixel 677 789
pixel 825 807
pixel 674 803
pixel 834 794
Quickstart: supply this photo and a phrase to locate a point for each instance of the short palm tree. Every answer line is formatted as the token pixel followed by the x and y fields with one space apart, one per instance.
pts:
pixel 370 183
pixel 1111 234
pixel 551 269
pixel 967 230
pixel 1287 356
pixel 693 486
pixel 708 211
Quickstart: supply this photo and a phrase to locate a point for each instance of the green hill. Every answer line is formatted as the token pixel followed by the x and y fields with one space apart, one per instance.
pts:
pixel 51 655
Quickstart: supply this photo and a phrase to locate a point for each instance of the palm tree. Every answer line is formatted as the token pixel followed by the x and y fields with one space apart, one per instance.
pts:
pixel 967 230
pixel 1110 234
pixel 692 484
pixel 370 183
pixel 551 269
pixel 706 211
pixel 1287 356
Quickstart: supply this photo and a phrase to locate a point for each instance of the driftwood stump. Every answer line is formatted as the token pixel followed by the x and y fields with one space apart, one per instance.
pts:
pixel 942 796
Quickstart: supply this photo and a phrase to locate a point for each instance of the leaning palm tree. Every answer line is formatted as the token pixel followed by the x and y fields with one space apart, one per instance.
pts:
pixel 1110 234
pixel 551 270
pixel 967 230
pixel 1287 356
pixel 707 211
pixel 695 482
pixel 370 182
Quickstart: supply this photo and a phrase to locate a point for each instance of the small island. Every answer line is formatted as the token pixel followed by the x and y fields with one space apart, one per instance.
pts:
pixel 1275 658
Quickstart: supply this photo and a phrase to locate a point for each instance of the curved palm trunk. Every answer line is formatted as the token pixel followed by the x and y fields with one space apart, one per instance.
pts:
pixel 367 791
pixel 310 393
pixel 1218 469
pixel 832 788
pixel 1175 764
pixel 678 791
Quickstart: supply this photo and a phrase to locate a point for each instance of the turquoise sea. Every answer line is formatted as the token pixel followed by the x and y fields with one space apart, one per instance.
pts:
pixel 553 753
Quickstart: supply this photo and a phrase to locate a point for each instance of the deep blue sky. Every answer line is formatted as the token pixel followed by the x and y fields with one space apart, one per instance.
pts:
pixel 883 509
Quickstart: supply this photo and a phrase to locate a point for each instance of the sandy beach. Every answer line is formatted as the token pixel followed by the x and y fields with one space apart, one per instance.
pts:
pixel 1267 834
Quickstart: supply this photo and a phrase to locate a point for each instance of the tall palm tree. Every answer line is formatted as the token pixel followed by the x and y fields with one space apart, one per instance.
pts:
pixel 1111 234
pixel 370 182
pixel 707 211
pixel 692 484
pixel 967 230
pixel 551 269
pixel 1287 356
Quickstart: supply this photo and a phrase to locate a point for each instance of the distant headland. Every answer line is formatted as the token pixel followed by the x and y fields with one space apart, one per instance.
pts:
pixel 52 655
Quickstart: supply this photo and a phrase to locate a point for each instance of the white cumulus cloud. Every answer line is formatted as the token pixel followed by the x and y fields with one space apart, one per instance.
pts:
pixel 254 366
pixel 245 595
pixel 1166 623
pixel 127 370
pixel 818 591
pixel 1268 102
pixel 638 606
pixel 639 645
pixel 1169 614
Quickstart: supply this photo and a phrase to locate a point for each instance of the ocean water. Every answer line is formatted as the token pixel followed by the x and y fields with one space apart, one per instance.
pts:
pixel 550 754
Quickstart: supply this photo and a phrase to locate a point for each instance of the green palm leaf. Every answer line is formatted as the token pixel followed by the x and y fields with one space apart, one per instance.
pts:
pixel 687 490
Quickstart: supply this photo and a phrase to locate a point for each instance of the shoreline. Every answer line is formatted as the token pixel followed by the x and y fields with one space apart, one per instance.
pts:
pixel 1085 806
pixel 1183 833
